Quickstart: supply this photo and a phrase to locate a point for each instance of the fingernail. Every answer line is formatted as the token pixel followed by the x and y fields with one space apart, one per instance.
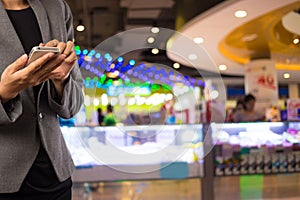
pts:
pixel 23 57
pixel 50 55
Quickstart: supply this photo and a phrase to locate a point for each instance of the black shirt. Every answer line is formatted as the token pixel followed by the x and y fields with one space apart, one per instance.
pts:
pixel 26 26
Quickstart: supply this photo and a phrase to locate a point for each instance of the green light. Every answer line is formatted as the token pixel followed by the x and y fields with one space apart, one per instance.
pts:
pixel 88 79
pixel 109 82
pixel 155 87
pixel 146 84
pixel 166 87
pixel 77 47
pixel 95 79
pixel 103 78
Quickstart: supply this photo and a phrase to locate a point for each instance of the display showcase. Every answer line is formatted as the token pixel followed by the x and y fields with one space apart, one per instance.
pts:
pixel 256 148
pixel 135 152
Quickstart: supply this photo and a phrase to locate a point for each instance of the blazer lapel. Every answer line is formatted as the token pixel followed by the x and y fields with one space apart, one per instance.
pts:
pixel 42 19
pixel 8 32
pixel 44 26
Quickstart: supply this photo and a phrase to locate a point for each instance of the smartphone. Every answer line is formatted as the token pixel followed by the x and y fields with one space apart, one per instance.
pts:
pixel 37 51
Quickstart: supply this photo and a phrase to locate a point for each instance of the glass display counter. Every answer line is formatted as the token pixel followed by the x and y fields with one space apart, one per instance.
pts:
pixel 256 148
pixel 135 152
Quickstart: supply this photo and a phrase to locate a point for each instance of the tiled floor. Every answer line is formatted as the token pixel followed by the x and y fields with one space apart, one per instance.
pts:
pixel 252 187
pixel 148 190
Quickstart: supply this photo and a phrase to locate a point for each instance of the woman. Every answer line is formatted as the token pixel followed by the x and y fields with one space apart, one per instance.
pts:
pixel 35 162
pixel 247 113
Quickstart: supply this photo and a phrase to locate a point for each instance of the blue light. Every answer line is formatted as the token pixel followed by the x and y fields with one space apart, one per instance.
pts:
pixel 140 76
pixel 85 51
pixel 92 52
pixel 122 76
pixel 98 85
pixel 120 59
pixel 129 71
pixel 109 59
pixel 98 55
pixel 78 52
pixel 156 76
pixel 97 64
pixel 107 55
pixel 99 73
pixel 132 62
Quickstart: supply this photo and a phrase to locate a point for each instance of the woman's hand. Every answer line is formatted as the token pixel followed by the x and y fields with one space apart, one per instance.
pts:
pixel 62 72
pixel 16 77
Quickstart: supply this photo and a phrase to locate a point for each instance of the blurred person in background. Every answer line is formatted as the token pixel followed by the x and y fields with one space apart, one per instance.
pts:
pixel 248 114
pixel 100 117
pixel 109 119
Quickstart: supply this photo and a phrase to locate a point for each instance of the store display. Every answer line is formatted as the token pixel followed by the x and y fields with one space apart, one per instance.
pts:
pixel 240 148
pixel 256 148
pixel 150 149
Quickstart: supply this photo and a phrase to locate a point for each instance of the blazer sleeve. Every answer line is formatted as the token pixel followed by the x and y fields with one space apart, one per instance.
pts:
pixel 72 98
pixel 11 110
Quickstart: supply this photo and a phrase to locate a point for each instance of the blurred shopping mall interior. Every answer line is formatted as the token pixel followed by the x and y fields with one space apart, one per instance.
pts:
pixel 174 70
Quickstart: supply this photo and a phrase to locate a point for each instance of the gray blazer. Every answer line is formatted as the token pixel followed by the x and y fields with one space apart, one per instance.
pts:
pixel 19 141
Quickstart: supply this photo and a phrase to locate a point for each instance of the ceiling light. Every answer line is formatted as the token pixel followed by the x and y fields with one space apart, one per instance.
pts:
pixel 198 40
pixel 290 22
pixel 192 56
pixel 151 40
pixel 155 51
pixel 214 94
pixel 155 30
pixel 296 41
pixel 80 27
pixel 240 14
pixel 286 75
pixel 249 37
pixel 176 65
pixel 222 67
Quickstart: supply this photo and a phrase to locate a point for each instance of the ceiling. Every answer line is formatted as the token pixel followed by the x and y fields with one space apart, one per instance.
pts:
pixel 235 42
pixel 227 40
pixel 104 18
